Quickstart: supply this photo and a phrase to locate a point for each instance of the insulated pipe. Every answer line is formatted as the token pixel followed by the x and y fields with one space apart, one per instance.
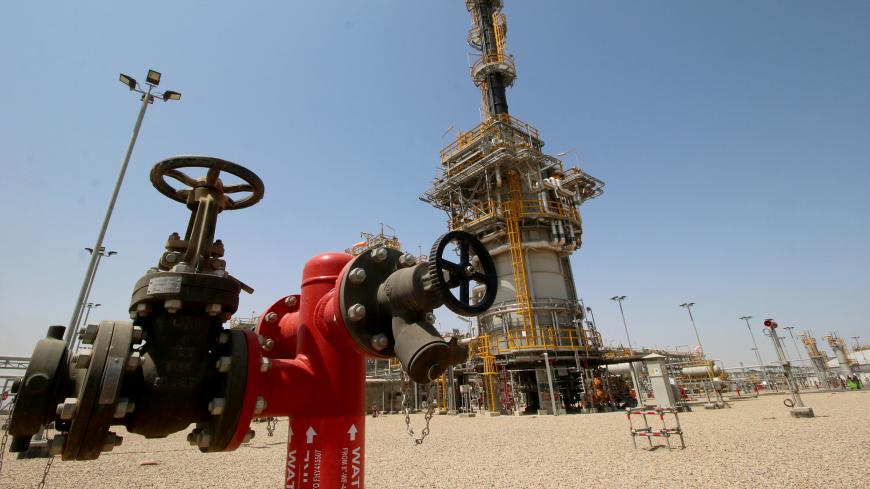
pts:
pixel 555 240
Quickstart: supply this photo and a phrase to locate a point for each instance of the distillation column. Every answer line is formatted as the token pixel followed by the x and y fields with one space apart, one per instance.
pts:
pixel 497 184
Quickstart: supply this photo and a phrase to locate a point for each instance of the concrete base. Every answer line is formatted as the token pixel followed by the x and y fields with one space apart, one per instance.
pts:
pixel 802 412
pixel 442 411
pixel 452 413
pixel 491 414
pixel 712 405
pixel 466 415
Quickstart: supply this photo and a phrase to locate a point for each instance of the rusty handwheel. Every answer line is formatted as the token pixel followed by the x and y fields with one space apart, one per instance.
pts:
pixel 170 167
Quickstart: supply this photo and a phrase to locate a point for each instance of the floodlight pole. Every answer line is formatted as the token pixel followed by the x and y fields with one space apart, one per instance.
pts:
pixel 618 299
pixel 757 351
pixel 688 307
pixel 146 99
pixel 152 81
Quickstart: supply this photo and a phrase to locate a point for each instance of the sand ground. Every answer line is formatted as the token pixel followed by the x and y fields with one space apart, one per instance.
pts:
pixel 754 444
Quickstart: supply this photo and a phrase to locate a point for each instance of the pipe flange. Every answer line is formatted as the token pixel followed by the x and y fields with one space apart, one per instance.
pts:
pixel 99 387
pixel 358 300
pixel 43 384
pixel 216 434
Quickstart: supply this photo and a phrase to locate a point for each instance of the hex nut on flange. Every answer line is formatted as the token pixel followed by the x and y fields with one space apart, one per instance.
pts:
pixel 430 318
pixel 172 305
pixel 89 334
pixel 380 341
pixel 260 405
pixel 291 301
pixel 217 405
pixel 357 276
pixel 143 309
pixel 223 364
pixel 265 364
pixel 124 407
pixel 68 408
pixel 82 359
pixel 213 309
pixel 138 335
pixel 271 317
pixel 356 312
pixel 111 441
pixel 133 361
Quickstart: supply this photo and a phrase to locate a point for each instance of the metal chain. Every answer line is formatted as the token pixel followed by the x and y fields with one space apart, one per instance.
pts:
pixel 45 472
pixel 6 431
pixel 430 410
pixel 271 424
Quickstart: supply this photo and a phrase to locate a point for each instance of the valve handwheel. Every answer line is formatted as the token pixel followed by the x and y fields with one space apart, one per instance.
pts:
pixel 475 265
pixel 170 167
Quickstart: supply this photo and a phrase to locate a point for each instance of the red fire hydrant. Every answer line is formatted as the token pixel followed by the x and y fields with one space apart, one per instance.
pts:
pixel 307 358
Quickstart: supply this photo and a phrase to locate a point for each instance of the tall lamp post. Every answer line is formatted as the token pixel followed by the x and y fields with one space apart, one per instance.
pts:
pixel 618 299
pixel 756 350
pixel 798 350
pixel 152 80
pixel 688 306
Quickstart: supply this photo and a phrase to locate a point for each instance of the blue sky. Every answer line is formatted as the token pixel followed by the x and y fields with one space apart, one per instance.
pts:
pixel 733 137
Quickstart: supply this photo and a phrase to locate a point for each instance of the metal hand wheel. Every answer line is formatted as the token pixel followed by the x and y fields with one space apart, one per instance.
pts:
pixel 474 265
pixel 170 167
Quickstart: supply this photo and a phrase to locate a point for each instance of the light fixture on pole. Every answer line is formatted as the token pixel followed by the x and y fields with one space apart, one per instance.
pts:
pixel 618 299
pixel 152 80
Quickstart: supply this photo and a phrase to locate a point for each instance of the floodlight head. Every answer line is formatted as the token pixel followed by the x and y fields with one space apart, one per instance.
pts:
pixel 563 153
pixel 153 78
pixel 687 304
pixel 745 318
pixel 112 253
pixel 170 95
pixel 129 81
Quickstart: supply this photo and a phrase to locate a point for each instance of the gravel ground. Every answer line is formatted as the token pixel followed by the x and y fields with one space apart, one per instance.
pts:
pixel 754 444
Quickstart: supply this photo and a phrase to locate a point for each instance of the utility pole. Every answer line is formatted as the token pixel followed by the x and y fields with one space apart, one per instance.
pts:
pixel 688 306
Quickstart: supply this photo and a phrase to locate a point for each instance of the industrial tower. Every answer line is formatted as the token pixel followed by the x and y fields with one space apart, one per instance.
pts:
pixel 496 183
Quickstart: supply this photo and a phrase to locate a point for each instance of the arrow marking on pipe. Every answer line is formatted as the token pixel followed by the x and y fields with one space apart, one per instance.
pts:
pixel 309 435
pixel 352 432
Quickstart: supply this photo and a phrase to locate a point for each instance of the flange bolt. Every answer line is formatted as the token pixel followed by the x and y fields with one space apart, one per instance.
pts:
pixel 407 260
pixel 380 341
pixel 357 276
pixel 356 312
pixel 223 364
pixel 379 254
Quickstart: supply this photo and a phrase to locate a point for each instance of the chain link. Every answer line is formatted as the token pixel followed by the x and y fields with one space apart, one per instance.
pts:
pixel 6 431
pixel 430 410
pixel 45 472
pixel 271 424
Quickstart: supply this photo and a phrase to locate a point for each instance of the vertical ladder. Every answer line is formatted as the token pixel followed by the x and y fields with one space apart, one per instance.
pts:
pixel 518 260
pixel 489 373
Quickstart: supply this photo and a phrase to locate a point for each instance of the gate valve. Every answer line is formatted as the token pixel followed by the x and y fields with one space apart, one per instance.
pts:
pixel 177 311
pixel 387 298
